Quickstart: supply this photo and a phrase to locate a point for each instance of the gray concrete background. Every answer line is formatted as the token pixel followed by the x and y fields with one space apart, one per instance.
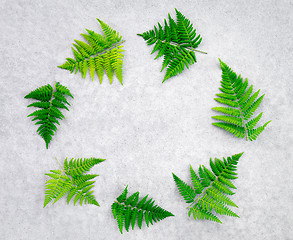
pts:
pixel 146 130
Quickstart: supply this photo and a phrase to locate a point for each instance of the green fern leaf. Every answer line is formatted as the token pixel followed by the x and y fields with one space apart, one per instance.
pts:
pixel 176 41
pixel 128 210
pixel 212 187
pixel 79 166
pixel 198 187
pixel 185 190
pixel 71 180
pixel 241 102
pixel 50 100
pixel 199 213
pixel 101 53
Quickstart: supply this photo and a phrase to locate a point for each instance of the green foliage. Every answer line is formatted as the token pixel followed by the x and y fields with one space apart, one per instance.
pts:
pixel 129 210
pixel 98 54
pixel 208 195
pixel 72 180
pixel 49 101
pixel 241 104
pixel 176 41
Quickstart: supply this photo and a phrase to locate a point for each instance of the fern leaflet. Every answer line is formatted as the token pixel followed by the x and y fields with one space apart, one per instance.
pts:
pixel 241 105
pixel 72 180
pixel 129 210
pixel 210 189
pixel 99 54
pixel 176 41
pixel 50 100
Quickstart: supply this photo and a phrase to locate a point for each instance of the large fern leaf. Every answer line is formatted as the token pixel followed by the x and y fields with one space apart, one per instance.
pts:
pixel 71 180
pixel 241 104
pixel 99 54
pixel 208 195
pixel 129 211
pixel 50 101
pixel 176 41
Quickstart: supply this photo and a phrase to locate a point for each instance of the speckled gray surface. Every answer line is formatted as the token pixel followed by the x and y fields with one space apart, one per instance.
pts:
pixel 145 129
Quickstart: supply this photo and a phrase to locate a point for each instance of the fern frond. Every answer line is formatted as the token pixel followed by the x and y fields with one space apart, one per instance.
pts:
pixel 71 180
pixel 128 210
pixel 241 102
pixel 99 54
pixel 176 41
pixel 212 187
pixel 50 100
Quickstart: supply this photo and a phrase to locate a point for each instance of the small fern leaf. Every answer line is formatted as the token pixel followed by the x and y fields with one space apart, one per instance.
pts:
pixel 254 133
pixel 199 214
pixel 100 54
pixel 120 217
pixel 198 187
pixel 222 188
pixel 241 102
pixel 79 166
pixel 205 180
pixel 176 42
pixel 111 35
pixel 214 187
pixel 220 197
pixel 185 190
pixel 186 32
pixel 49 106
pixel 123 196
pixel 179 62
pixel 223 210
pixel 129 211
pixel 78 187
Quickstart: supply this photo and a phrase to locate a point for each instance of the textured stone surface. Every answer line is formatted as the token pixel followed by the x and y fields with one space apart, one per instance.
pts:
pixel 144 129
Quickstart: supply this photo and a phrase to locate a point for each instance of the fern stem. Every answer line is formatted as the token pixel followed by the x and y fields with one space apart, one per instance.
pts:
pixel 177 45
pixel 105 50
pixel 53 90
pixel 204 192
pixel 244 125
pixel 241 115
pixel 62 169
pixel 240 110
pixel 60 165
pixel 198 50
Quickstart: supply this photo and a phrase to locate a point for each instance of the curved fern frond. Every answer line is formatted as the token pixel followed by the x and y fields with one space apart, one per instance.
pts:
pixel 176 41
pixel 212 187
pixel 241 105
pixel 71 180
pixel 50 100
pixel 99 54
pixel 129 210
